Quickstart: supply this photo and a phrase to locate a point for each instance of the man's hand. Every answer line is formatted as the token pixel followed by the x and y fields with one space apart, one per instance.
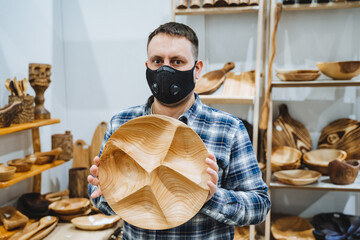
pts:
pixel 212 170
pixel 93 180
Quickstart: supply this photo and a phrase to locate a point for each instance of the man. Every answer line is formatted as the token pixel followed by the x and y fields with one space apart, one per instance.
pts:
pixel 238 195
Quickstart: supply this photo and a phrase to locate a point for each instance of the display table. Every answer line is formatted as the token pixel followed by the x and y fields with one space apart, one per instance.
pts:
pixel 68 231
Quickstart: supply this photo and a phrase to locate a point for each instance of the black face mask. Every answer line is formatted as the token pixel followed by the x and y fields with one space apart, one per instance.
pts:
pixel 169 85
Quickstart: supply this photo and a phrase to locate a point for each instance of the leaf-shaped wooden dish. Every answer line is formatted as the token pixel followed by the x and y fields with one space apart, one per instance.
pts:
pixel 152 172
pixel 319 159
pixel 284 158
pixel 297 176
pixel 342 134
pixel 95 222
pixel 211 81
pixel 340 70
pixel 242 85
pixel 70 206
pixel 297 75
pixel 292 227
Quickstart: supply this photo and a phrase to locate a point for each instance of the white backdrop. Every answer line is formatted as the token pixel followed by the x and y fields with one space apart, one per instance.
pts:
pixel 97 50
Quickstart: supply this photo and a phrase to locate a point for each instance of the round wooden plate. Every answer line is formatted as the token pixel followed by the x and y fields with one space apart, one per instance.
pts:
pixel 153 173
pixel 70 205
pixel 95 222
pixel 297 176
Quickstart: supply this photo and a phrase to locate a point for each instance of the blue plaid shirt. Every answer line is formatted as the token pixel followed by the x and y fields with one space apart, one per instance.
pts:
pixel 241 198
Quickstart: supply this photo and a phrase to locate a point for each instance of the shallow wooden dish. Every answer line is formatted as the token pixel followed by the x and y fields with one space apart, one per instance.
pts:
pixel 69 217
pixel 297 176
pixel 285 158
pixel 239 85
pixel 70 206
pixel 319 159
pixel 12 218
pixel 292 227
pixel 297 75
pixel 21 164
pixel 343 173
pixel 47 157
pixel 6 173
pixel 340 70
pixel 152 172
pixel 95 222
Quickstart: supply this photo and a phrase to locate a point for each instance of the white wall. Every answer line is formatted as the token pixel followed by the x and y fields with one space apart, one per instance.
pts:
pixel 98 50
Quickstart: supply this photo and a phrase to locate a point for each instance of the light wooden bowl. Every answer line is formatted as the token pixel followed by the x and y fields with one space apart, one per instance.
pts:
pixel 95 222
pixel 297 75
pixel 153 173
pixel 21 164
pixel 297 176
pixel 343 173
pixel 69 217
pixel 292 227
pixel 340 70
pixel 6 173
pixel 70 206
pixel 319 159
pixel 285 158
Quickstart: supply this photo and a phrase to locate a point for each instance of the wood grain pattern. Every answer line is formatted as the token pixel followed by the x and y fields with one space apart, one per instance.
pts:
pixel 242 85
pixel 285 158
pixel 70 206
pixel 8 113
pixel 96 141
pixel 342 134
pixel 343 173
pixel 78 182
pixel 297 75
pixel 211 81
pixel 182 4
pixel 297 176
pixel 290 132
pixel 292 227
pixel 27 112
pixel 195 3
pixel 95 222
pixel 208 3
pixel 340 70
pixel 65 142
pixel 152 172
pixel 12 218
pixel 81 154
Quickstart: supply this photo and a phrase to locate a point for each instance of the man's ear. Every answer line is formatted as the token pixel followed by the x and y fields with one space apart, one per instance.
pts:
pixel 146 64
pixel 198 67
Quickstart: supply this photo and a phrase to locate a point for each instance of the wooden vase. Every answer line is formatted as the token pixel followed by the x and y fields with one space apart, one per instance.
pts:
pixel 78 182
pixel 65 142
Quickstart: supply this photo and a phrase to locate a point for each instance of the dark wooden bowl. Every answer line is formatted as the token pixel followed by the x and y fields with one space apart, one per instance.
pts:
pixel 33 205
pixel 21 164
pixel 343 173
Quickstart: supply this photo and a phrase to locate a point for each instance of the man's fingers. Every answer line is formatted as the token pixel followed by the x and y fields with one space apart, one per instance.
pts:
pixel 94 170
pixel 212 164
pixel 96 161
pixel 213 175
pixel 93 181
pixel 96 193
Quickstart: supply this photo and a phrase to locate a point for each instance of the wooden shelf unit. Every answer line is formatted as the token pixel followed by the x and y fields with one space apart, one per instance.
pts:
pixel 36 169
pixel 218 99
pixel 216 10
pixel 321 6
pixel 318 83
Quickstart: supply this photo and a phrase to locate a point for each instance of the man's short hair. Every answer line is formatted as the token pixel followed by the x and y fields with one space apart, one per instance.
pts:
pixel 180 30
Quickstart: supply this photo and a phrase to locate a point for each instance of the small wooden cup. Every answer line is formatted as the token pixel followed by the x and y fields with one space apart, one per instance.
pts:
pixel 343 173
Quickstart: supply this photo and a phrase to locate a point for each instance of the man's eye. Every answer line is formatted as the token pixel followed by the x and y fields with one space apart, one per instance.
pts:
pixel 177 62
pixel 157 61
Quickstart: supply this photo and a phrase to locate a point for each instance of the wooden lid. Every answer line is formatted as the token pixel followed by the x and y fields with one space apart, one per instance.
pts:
pixel 153 173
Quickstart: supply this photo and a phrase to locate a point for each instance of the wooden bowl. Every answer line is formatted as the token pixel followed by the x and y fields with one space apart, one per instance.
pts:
pixel 153 173
pixel 6 173
pixel 297 75
pixel 340 70
pixel 95 222
pixel 343 173
pixel 21 164
pixel 33 205
pixel 47 157
pixel 297 176
pixel 70 206
pixel 292 227
pixel 285 158
pixel 69 217
pixel 319 159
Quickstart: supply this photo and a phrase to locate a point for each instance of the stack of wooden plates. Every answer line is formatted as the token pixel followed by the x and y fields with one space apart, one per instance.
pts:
pixel 297 176
pixel 285 158
pixel 67 209
pixel 319 159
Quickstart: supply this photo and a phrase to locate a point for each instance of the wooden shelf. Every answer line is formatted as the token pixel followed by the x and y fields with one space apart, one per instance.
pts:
pixel 216 10
pixel 321 6
pixel 218 99
pixel 21 127
pixel 318 83
pixel 323 183
pixel 35 169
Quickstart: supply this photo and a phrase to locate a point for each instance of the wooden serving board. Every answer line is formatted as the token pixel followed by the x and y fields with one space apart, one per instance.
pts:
pixel 81 154
pixel 242 85
pixel 290 132
pixel 97 140
pixel 342 134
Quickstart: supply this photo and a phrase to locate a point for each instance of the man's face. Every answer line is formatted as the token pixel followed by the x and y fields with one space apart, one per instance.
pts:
pixel 173 51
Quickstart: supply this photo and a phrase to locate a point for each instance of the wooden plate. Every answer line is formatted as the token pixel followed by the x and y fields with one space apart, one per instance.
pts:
pixel 340 70
pixel 70 206
pixel 239 85
pixel 297 75
pixel 297 176
pixel 152 172
pixel 319 159
pixel 69 217
pixel 95 222
pixel 292 227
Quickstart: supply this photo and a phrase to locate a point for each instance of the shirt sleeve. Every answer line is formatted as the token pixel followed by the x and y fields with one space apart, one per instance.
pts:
pixel 242 197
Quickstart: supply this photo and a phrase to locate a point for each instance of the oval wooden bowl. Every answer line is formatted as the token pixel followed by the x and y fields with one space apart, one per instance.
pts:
pixel 340 70
pixel 69 217
pixel 298 75
pixel 152 172
pixel 95 222
pixel 292 227
pixel 285 158
pixel 6 173
pixel 343 173
pixel 21 164
pixel 70 206
pixel 297 176
pixel 319 159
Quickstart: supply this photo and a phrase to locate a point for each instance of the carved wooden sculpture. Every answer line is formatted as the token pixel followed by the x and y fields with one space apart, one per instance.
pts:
pixel 39 78
pixel 152 172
